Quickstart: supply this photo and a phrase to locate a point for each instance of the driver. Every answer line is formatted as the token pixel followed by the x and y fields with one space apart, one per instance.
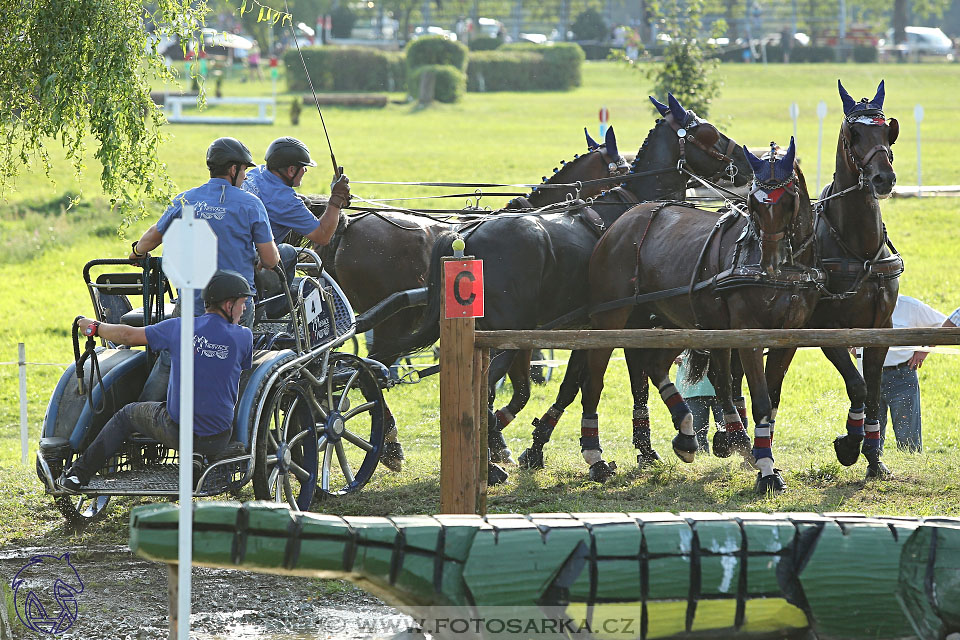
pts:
pixel 222 349
pixel 287 160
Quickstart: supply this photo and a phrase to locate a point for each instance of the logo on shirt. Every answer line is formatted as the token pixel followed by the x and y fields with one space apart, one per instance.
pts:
pixel 207 211
pixel 208 349
pixel 252 187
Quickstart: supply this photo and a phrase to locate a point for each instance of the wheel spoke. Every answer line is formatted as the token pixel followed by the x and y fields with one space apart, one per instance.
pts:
pixel 321 441
pixel 346 389
pixel 286 418
pixel 297 438
pixel 316 406
pixel 274 484
pixel 344 463
pixel 354 439
pixel 272 459
pixel 361 408
pixel 300 472
pixel 288 490
pixel 272 440
pixel 330 370
pixel 325 469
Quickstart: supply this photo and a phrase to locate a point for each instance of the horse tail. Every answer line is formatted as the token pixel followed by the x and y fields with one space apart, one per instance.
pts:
pixel 429 330
pixel 698 362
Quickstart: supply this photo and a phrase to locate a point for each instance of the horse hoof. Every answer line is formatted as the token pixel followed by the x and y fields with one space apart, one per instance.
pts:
pixel 878 470
pixel 721 444
pixel 495 475
pixel 771 484
pixel 740 442
pixel 600 471
pixel 647 457
pixel 392 457
pixel 502 456
pixel 848 449
pixel 531 459
pixel 685 447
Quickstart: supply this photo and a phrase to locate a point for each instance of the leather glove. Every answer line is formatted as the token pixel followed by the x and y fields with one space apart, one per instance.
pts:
pixel 340 191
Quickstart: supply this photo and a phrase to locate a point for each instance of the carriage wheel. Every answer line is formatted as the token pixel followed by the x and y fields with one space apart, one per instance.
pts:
pixel 351 426
pixel 286 448
pixel 81 511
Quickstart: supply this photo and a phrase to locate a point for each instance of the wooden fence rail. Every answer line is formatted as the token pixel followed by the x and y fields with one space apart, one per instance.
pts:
pixel 464 358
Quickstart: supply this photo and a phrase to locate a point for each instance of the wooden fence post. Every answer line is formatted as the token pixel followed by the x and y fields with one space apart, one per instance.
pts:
pixel 458 415
pixel 481 367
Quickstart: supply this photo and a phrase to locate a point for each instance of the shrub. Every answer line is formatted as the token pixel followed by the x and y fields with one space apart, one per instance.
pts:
pixel 342 19
pixel 864 53
pixel 436 50
pixel 505 71
pixel 595 51
pixel 451 83
pixel 589 25
pixel 345 69
pixel 485 43
pixel 813 54
pixel 562 63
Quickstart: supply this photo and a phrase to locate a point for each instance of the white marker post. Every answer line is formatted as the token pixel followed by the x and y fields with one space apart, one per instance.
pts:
pixel 794 115
pixel 821 114
pixel 24 423
pixel 918 116
pixel 189 260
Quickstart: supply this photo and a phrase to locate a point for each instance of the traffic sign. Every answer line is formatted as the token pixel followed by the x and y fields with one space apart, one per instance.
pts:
pixel 189 251
pixel 463 293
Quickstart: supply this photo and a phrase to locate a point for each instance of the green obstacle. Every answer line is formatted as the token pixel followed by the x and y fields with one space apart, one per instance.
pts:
pixel 693 575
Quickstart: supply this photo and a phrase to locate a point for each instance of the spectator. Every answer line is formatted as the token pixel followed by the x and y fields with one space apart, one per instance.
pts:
pixel 253 62
pixel 953 320
pixel 900 385
pixel 701 398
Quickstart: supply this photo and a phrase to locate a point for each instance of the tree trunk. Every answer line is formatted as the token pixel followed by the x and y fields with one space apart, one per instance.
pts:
pixel 732 31
pixel 899 21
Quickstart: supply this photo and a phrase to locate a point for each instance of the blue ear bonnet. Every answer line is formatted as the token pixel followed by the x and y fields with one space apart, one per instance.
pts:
pixel 777 172
pixel 853 108
pixel 680 115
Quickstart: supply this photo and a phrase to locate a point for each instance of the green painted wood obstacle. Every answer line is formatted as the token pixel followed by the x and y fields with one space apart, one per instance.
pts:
pixel 709 575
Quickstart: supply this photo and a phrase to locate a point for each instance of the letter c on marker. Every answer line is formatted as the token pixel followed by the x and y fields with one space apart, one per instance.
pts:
pixel 466 302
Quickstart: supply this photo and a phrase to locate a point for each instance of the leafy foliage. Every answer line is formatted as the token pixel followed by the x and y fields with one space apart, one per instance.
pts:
pixel 589 25
pixel 436 50
pixel 562 63
pixel 450 83
pixel 342 19
pixel 345 69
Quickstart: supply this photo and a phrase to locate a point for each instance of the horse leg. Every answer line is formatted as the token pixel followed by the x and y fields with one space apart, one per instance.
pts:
pixel 873 358
pixel 592 387
pixel 734 436
pixel 532 457
pixel 778 361
pixel 847 447
pixel 519 373
pixel 499 364
pixel 658 368
pixel 640 388
pixel 392 456
pixel 739 402
pixel 768 480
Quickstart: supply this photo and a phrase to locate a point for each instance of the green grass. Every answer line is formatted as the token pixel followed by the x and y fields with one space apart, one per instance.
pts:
pixel 519 137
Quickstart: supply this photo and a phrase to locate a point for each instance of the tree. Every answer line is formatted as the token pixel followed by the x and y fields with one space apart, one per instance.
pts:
pixel 589 25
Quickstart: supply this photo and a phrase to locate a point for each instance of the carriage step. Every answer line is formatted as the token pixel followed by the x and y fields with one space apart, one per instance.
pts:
pixel 162 478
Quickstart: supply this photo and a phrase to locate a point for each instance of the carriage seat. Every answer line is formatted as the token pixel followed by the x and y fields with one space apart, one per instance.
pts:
pixel 134 317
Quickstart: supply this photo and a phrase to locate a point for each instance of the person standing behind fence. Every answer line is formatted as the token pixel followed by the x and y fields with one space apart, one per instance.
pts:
pixel 253 62
pixel 702 400
pixel 900 385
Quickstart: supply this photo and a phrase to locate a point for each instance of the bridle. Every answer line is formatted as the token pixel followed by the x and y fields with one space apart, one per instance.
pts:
pixel 858 164
pixel 686 134
pixel 615 166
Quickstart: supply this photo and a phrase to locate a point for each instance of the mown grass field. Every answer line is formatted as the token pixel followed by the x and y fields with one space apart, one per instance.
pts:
pixel 518 138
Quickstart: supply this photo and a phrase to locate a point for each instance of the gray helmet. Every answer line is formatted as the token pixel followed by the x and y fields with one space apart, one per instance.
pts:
pixel 225 285
pixel 228 151
pixel 288 152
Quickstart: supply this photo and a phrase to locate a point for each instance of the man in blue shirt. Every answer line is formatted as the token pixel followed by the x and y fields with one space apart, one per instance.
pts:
pixel 221 351
pixel 238 218
pixel 287 160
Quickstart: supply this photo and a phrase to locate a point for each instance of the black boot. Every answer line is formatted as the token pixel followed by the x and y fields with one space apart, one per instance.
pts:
pixel 600 471
pixel 771 484
pixel 847 448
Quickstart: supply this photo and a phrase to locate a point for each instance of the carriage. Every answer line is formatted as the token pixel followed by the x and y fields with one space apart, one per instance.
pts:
pixel 309 420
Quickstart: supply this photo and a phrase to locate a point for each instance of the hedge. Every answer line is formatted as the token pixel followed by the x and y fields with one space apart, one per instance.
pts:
pixel 345 69
pixel 436 50
pixel 450 85
pixel 484 43
pixel 555 67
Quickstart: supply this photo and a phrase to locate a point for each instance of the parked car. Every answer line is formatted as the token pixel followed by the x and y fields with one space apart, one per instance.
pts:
pixel 922 42
pixel 434 31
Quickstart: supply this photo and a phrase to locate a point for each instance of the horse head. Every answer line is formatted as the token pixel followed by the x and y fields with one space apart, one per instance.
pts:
pixel 702 147
pixel 866 137
pixel 773 202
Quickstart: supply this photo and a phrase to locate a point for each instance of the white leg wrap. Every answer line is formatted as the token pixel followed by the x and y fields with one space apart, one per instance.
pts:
pixel 592 456
pixel 686 427
pixel 766 466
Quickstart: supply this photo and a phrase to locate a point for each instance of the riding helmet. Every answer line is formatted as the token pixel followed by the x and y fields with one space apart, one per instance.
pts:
pixel 226 285
pixel 288 152
pixel 224 152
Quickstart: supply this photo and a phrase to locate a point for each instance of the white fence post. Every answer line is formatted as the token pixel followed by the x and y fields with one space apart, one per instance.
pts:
pixel 918 116
pixel 22 365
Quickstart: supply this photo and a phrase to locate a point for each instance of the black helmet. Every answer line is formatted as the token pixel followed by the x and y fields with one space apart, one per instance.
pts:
pixel 224 285
pixel 224 152
pixel 288 152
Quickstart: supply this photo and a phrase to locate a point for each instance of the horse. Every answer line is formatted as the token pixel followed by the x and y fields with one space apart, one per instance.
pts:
pixel 693 268
pixel 535 265
pixel 372 256
pixel 862 269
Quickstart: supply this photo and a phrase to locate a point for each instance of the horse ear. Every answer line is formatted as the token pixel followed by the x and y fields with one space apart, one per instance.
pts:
pixel 848 102
pixel 755 163
pixel 785 164
pixel 591 143
pixel 611 142
pixel 679 113
pixel 894 131
pixel 662 108
pixel 878 99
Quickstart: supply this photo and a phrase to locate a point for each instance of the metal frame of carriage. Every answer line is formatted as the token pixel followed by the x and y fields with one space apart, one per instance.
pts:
pixel 295 415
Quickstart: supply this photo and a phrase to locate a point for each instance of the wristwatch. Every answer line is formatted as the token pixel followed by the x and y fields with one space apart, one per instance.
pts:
pixel 134 247
pixel 91 329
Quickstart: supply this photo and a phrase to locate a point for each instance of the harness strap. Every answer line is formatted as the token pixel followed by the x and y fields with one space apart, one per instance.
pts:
pixel 592 220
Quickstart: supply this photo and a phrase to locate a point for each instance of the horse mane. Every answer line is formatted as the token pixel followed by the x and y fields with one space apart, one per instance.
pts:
pixel 636 158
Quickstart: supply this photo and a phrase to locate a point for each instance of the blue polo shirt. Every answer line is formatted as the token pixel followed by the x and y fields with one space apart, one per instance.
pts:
pixel 237 218
pixel 287 211
pixel 221 351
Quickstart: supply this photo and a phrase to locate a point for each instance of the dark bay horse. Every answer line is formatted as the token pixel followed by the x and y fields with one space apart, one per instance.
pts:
pixel 699 269
pixel 535 266
pixel 374 256
pixel 862 270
